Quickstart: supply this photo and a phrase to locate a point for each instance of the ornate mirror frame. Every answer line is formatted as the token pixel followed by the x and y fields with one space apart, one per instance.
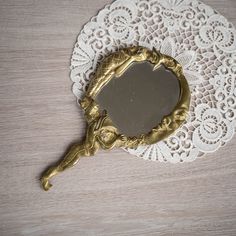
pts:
pixel 101 132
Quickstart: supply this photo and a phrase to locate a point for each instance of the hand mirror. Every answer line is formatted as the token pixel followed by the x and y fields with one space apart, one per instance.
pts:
pixel 137 97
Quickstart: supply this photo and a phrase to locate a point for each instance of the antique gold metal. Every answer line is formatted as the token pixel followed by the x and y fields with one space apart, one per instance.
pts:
pixel 101 132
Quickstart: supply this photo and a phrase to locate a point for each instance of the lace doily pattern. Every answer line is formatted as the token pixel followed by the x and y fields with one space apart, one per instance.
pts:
pixel 198 37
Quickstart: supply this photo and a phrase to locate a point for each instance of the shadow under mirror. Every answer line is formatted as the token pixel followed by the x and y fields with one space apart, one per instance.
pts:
pixel 139 99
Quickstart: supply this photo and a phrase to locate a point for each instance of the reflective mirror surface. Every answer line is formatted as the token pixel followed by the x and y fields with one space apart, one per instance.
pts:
pixel 139 99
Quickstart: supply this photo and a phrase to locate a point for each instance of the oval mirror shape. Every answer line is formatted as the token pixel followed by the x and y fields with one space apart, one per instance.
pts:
pixel 139 99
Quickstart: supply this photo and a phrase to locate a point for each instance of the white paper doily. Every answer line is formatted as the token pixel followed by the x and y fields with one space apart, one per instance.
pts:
pixel 197 36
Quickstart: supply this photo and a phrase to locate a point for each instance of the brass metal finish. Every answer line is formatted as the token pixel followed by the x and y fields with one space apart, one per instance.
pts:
pixel 101 132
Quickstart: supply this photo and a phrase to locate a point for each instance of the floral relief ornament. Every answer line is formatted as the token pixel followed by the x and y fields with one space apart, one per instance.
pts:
pixel 203 42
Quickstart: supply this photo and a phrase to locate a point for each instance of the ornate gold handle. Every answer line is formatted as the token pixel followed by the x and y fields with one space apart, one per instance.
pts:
pixel 72 157
pixel 100 134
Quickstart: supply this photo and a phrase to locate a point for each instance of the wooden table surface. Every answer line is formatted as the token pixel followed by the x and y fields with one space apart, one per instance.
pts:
pixel 113 193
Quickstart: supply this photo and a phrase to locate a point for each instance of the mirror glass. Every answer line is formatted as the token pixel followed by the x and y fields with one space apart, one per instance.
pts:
pixel 139 99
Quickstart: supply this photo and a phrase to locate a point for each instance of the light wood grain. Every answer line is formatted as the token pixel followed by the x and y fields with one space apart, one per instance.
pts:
pixel 113 193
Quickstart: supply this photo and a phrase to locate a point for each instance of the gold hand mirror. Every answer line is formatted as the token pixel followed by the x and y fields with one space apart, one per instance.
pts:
pixel 137 97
